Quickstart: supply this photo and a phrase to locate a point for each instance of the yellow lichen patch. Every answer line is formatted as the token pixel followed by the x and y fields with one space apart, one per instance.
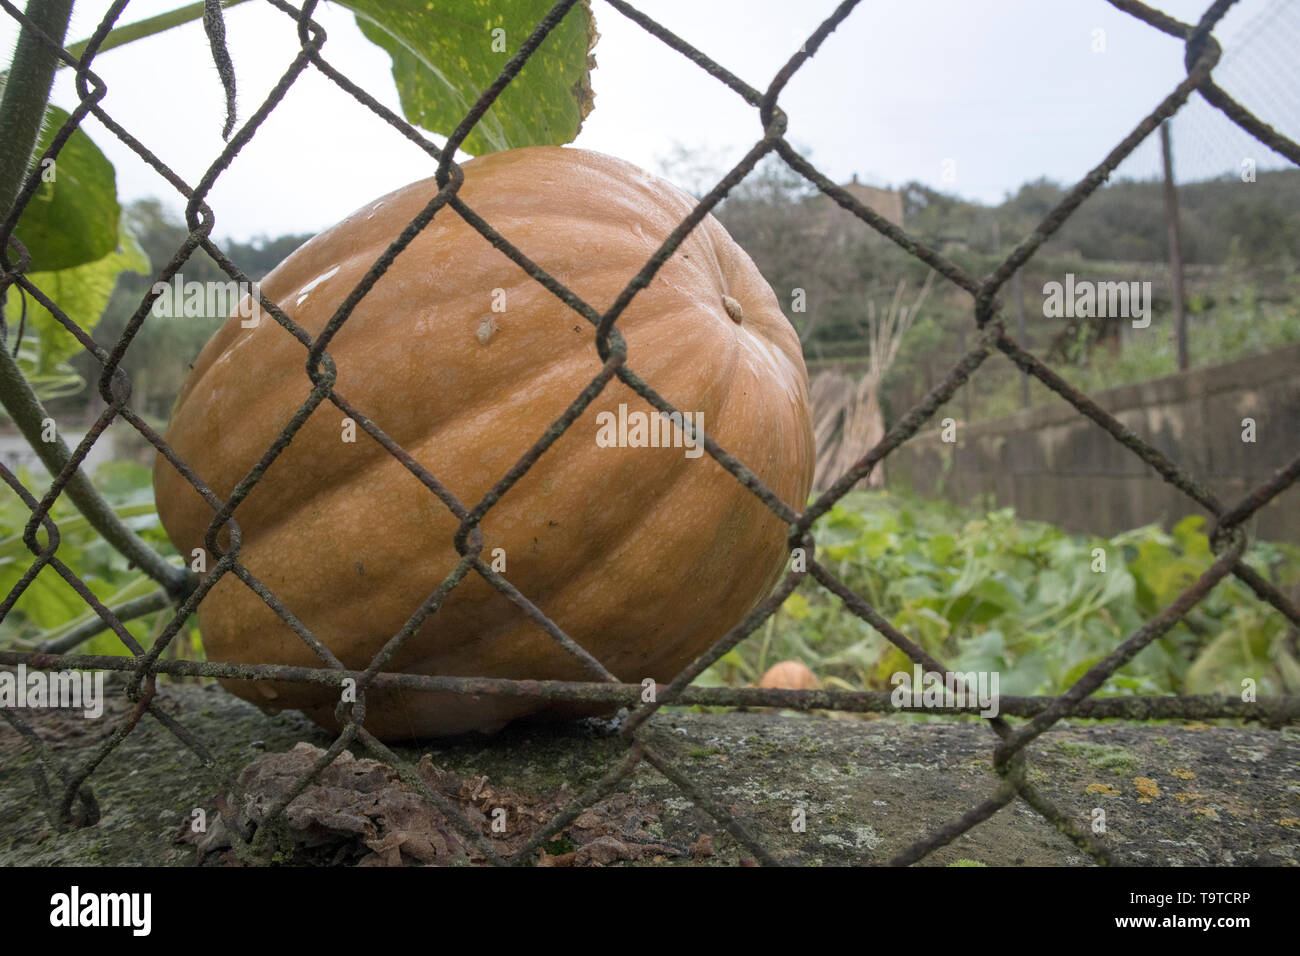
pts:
pixel 1182 773
pixel 1184 797
pixel 1196 727
pixel 1101 788
pixel 1292 822
pixel 1206 812
pixel 1147 787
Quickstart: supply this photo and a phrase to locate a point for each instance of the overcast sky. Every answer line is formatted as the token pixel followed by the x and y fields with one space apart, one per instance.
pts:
pixel 1006 90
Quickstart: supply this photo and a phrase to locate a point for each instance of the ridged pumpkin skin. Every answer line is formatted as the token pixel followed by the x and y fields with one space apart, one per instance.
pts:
pixel 642 555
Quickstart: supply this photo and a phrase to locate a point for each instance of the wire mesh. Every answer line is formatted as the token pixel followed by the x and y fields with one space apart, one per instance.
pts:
pixel 66 792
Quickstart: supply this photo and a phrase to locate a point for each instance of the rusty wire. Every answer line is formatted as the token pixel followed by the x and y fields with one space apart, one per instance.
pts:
pixel 1227 537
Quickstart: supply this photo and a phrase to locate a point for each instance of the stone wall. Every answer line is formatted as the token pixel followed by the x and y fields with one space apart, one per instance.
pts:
pixel 1051 463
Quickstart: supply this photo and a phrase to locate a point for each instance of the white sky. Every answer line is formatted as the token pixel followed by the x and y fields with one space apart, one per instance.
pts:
pixel 1009 90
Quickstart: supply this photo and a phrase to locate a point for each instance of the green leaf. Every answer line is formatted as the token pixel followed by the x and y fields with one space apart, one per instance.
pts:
pixel 49 605
pixel 1078 670
pixel 838 534
pixel 12 545
pixel 49 600
pixel 1000 590
pixel 1053 589
pixel 1188 534
pixel 1234 654
pixel 1162 575
pixel 796 605
pixel 81 292
pixel 446 54
pixel 876 543
pixel 138 586
pixel 983 652
pixel 60 381
pixel 942 547
pixel 73 217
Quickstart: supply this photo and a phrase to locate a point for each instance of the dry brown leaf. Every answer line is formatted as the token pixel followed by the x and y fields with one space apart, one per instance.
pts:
pixel 360 812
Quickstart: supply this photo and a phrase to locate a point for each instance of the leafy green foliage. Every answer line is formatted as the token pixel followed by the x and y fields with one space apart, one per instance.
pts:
pixel 72 219
pixel 979 591
pixel 81 292
pixel 49 605
pixel 79 246
pixel 990 592
pixel 445 55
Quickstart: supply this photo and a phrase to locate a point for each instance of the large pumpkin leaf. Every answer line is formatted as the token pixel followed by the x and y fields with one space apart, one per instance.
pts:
pixel 73 218
pixel 446 54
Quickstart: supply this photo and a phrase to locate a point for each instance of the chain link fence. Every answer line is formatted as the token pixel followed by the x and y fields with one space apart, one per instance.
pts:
pixel 1258 67
pixel 65 787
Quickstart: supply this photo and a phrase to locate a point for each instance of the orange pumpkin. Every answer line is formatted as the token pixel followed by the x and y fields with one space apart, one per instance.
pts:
pixel 789 675
pixel 643 555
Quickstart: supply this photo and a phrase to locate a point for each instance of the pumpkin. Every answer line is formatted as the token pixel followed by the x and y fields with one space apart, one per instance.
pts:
pixel 644 555
pixel 789 675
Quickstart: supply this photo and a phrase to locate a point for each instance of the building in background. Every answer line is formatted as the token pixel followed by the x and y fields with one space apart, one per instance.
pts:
pixel 836 225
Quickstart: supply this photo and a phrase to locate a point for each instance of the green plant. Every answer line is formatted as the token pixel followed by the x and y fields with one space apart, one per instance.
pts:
pixel 985 591
pixel 49 608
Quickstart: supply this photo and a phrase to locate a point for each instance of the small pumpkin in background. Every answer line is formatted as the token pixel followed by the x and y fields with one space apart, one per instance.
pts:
pixel 643 555
pixel 789 675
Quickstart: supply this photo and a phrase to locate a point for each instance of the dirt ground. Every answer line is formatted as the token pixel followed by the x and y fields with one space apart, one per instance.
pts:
pixel 1172 794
